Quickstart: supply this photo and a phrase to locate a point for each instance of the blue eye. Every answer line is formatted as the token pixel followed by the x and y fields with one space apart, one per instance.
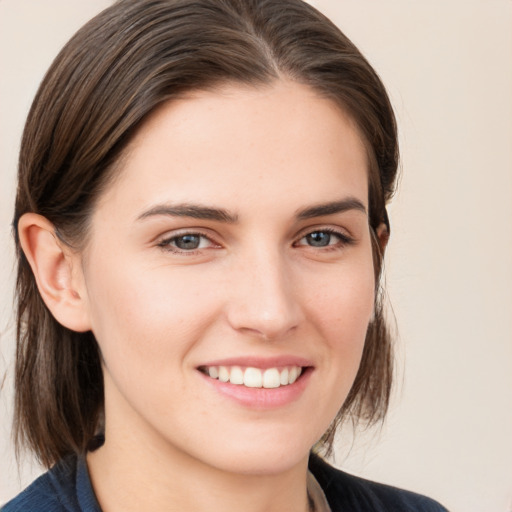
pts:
pixel 319 239
pixel 187 242
pixel 324 238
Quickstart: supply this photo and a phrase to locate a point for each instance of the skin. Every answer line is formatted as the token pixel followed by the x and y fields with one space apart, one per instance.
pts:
pixel 255 287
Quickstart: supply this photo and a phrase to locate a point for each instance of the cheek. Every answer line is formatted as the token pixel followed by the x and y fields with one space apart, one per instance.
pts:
pixel 342 309
pixel 344 300
pixel 147 322
pixel 143 317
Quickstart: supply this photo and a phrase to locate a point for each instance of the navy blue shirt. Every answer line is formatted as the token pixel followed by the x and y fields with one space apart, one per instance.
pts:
pixel 67 488
pixel 64 488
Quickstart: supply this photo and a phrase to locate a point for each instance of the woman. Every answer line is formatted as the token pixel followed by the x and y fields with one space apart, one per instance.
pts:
pixel 200 223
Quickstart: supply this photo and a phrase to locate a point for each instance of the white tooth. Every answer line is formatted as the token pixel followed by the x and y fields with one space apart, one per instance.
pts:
pixel 223 374
pixel 283 379
pixel 237 375
pixel 271 378
pixel 292 376
pixel 299 371
pixel 213 372
pixel 253 378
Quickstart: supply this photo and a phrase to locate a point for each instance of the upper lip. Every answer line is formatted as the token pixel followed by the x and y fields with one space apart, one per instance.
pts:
pixel 260 362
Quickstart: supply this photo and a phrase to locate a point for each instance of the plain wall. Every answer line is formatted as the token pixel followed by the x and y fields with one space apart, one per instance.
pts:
pixel 448 67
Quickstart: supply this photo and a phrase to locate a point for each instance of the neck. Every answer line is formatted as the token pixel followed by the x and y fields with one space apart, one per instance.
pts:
pixel 128 474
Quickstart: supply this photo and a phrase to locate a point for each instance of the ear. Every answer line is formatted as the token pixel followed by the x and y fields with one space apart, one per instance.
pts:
pixel 57 270
pixel 382 237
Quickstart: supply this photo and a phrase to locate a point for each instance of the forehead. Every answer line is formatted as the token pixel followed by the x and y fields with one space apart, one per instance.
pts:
pixel 282 142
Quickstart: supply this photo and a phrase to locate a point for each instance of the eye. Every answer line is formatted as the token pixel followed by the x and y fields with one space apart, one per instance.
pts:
pixel 324 238
pixel 186 242
pixel 319 239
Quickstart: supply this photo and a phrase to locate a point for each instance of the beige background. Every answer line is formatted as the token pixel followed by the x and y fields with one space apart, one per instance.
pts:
pixel 448 67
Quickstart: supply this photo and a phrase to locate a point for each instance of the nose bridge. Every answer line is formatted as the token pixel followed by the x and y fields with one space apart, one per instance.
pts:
pixel 263 300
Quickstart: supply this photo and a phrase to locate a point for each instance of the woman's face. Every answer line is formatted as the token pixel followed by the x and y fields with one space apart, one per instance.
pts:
pixel 231 253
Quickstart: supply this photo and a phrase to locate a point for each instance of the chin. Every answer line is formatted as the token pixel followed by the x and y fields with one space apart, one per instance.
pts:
pixel 249 458
pixel 264 464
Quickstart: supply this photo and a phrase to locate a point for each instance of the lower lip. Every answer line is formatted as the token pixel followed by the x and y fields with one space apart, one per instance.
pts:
pixel 261 398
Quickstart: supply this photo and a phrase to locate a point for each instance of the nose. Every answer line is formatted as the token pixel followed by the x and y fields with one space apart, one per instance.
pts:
pixel 263 302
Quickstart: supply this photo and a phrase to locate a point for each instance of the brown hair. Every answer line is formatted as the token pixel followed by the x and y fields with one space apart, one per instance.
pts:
pixel 123 64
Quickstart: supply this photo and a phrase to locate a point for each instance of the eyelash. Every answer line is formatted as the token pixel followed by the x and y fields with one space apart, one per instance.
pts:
pixel 166 243
pixel 344 240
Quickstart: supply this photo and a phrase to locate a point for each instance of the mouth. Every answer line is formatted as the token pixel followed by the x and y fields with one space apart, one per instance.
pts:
pixel 252 377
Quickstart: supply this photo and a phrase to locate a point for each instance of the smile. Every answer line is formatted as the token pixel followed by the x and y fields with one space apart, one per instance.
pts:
pixel 250 377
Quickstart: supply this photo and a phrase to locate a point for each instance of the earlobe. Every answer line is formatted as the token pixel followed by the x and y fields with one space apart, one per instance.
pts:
pixel 382 232
pixel 57 271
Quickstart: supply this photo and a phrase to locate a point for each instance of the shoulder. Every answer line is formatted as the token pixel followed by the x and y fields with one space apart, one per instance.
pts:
pixel 353 494
pixel 57 490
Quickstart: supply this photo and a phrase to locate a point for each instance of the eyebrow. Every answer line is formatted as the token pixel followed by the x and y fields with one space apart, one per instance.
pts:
pixel 201 212
pixel 319 210
pixel 193 211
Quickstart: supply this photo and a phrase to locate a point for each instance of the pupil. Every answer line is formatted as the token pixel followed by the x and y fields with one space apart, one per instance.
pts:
pixel 187 242
pixel 319 239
